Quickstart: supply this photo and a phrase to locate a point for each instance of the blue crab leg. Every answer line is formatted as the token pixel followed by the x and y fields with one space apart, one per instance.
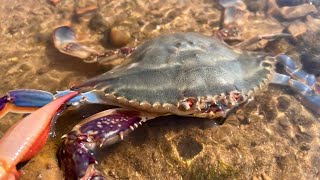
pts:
pixel 91 97
pixel 102 129
pixel 258 38
pixel 310 99
pixel 65 41
pixel 24 101
pixel 288 81
pixel 296 72
pixel 305 84
pixel 29 100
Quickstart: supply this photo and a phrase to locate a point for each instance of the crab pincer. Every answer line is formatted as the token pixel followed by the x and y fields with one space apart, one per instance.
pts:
pixel 27 137
pixel 65 40
pixel 100 130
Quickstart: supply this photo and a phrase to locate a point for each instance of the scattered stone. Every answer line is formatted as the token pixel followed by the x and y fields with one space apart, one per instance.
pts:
pixel 25 67
pixel 265 177
pixel 112 174
pixel 297 11
pixel 234 12
pixel 297 28
pixel 273 8
pixel 119 36
pixel 305 147
pixel 282 3
pixel 98 23
pixel 315 160
pixel 54 2
pixel 283 122
pixel 256 5
pixel 86 10
pixel 283 103
pixel 41 38
pixel 313 23
pixel 255 178
pixel 262 176
pixel 188 147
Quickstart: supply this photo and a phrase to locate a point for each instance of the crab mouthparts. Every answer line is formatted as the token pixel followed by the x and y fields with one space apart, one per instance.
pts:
pixel 212 105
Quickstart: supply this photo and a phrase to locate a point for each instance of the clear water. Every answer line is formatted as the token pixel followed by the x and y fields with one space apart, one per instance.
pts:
pixel 274 136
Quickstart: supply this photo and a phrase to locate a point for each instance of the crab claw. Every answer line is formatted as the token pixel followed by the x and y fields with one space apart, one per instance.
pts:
pixel 102 129
pixel 64 40
pixel 24 139
pixel 23 101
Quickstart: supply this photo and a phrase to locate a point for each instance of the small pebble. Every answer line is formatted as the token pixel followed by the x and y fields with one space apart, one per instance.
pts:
pixel 54 2
pixel 265 176
pixel 297 11
pixel 86 10
pixel 119 36
pixel 313 24
pixel 297 28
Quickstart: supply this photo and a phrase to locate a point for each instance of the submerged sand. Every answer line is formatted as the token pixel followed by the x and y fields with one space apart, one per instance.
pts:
pixel 272 137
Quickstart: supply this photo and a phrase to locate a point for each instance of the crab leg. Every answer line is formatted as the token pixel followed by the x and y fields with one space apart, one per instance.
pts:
pixel 23 140
pixel 29 100
pixel 258 38
pixel 296 72
pixel 102 129
pixel 65 41
pixel 23 101
pixel 305 84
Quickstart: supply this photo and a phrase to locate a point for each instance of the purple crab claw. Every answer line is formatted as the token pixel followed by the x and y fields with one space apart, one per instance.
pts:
pixel 23 101
pixel 102 129
pixel 65 41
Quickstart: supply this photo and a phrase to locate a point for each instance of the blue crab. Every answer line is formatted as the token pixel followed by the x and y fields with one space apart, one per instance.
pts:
pixel 184 74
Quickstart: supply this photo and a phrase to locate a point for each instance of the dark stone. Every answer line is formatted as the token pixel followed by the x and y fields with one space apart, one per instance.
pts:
pixel 281 161
pixel 283 103
pixel 188 147
pixel 304 137
pixel 305 147
pixel 97 23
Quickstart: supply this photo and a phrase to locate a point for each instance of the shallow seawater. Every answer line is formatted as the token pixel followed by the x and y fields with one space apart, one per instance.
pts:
pixel 275 136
